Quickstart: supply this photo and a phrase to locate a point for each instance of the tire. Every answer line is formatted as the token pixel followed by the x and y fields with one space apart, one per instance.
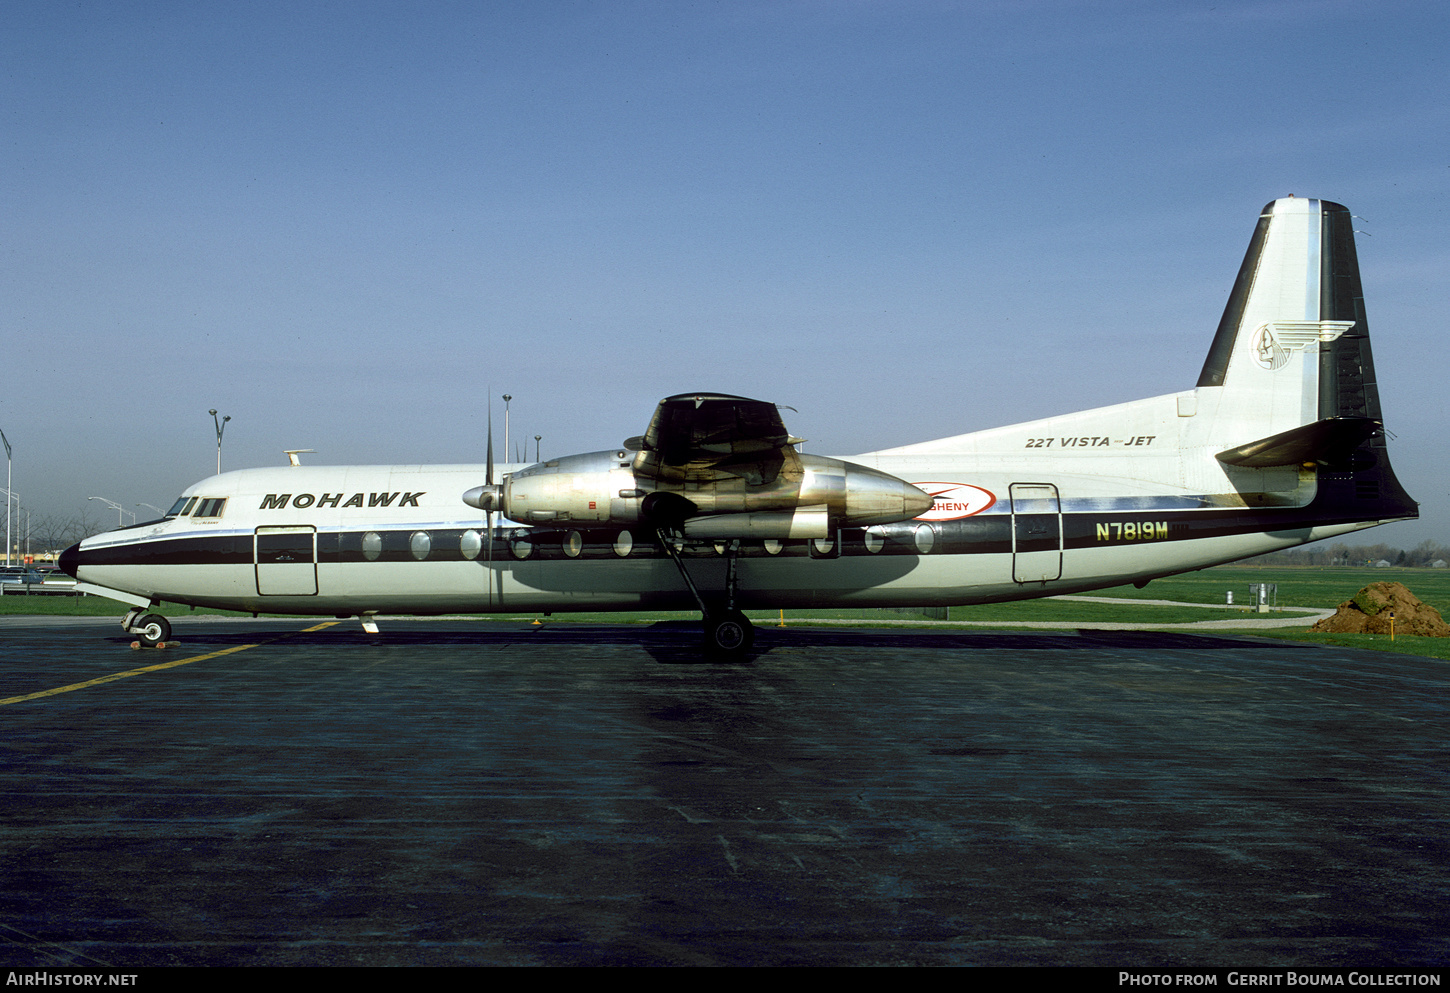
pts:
pixel 152 630
pixel 729 636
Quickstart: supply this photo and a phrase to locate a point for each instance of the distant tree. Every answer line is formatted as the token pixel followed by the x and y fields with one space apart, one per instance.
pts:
pixel 1427 552
pixel 1319 554
pixel 53 533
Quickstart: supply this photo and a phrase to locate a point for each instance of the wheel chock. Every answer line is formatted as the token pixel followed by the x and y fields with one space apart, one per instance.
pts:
pixel 137 646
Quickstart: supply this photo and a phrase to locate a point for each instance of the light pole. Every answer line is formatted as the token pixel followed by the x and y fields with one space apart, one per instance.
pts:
pixel 153 507
pixel 117 508
pixel 20 532
pixel 7 496
pixel 10 493
pixel 537 438
pixel 507 452
pixel 221 426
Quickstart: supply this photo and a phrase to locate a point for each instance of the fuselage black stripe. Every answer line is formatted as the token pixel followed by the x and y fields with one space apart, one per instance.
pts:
pixel 969 536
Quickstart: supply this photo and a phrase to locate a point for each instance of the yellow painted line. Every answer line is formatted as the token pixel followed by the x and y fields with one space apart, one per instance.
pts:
pixel 155 668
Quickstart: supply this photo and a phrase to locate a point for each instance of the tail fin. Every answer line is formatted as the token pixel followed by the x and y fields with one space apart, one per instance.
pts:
pixel 1291 360
pixel 1293 343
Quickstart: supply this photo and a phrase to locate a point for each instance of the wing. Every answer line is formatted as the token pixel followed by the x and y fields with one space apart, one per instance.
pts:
pixel 698 436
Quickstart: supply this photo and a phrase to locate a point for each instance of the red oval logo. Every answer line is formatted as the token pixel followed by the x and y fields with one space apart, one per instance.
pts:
pixel 953 501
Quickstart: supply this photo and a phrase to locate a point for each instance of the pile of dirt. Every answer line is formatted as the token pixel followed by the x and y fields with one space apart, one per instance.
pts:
pixel 1369 613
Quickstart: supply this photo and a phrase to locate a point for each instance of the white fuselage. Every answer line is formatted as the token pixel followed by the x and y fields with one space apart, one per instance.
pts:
pixel 1116 495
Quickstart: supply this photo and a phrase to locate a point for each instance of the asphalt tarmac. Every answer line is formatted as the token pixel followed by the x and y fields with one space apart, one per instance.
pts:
pixel 455 792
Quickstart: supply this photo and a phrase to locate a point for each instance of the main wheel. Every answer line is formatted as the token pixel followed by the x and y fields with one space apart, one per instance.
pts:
pixel 729 635
pixel 152 630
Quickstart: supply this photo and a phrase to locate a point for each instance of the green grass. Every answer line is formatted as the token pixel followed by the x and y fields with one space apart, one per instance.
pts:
pixel 1304 586
pixel 1432 648
pixel 91 606
pixel 1298 587
pixel 1126 612
pixel 1005 613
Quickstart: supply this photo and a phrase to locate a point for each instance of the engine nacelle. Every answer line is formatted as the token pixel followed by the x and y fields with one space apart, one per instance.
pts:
pixel 596 487
pixel 805 497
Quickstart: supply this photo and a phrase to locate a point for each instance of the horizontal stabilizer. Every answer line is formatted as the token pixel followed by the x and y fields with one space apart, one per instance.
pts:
pixel 1329 441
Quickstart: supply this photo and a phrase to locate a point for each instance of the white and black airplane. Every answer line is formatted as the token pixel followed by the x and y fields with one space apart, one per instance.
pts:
pixel 1281 442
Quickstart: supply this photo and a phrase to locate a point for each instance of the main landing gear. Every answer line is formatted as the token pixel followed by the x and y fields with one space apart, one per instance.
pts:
pixel 728 632
pixel 149 629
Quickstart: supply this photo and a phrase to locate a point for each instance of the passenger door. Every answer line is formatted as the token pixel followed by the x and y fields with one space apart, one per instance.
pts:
pixel 286 559
pixel 1036 533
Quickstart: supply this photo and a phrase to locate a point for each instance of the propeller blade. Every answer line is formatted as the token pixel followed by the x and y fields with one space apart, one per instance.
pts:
pixel 488 507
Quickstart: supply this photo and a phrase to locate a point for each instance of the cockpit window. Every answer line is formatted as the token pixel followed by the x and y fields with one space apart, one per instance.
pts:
pixel 210 507
pixel 181 507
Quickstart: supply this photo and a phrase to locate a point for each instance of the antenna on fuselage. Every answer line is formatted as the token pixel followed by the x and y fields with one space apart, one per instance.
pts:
pixel 292 454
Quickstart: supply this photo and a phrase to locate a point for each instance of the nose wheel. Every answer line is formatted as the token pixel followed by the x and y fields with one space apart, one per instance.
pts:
pixel 150 630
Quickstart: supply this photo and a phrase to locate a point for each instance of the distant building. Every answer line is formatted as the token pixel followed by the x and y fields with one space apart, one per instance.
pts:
pixel 1382 564
pixel 1439 564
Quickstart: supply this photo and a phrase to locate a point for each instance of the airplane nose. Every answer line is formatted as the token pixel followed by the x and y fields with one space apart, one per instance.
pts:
pixel 70 560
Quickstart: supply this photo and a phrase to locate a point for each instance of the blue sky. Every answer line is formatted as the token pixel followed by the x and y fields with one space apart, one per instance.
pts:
pixel 346 224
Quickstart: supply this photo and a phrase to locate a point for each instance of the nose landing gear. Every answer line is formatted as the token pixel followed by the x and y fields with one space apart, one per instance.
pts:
pixel 150 630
